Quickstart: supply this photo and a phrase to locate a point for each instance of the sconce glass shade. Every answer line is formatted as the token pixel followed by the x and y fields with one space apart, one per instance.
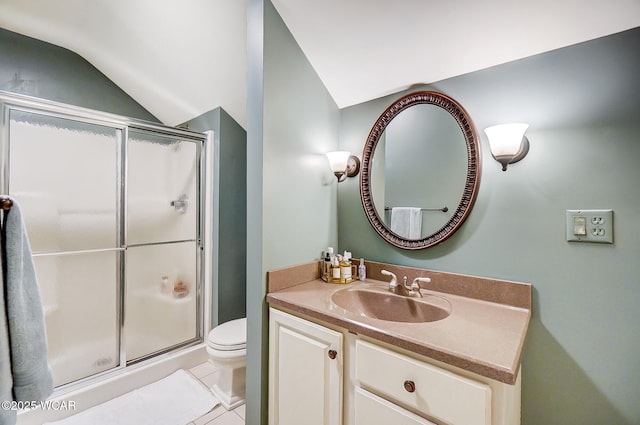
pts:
pixel 507 142
pixel 338 162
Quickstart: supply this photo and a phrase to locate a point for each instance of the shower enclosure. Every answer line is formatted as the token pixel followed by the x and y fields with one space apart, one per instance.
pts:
pixel 114 211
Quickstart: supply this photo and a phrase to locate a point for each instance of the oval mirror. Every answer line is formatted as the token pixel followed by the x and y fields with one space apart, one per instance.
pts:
pixel 420 170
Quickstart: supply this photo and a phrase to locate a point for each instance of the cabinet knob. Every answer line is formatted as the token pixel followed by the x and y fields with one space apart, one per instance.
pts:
pixel 410 386
pixel 332 354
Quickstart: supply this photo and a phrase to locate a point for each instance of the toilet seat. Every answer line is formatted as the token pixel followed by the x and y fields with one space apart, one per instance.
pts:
pixel 229 336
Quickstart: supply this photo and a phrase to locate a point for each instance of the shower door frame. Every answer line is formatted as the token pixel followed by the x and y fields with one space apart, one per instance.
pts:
pixel 122 124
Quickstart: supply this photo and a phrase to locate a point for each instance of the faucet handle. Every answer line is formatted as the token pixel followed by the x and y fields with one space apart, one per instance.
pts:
pixel 394 280
pixel 417 280
pixel 415 285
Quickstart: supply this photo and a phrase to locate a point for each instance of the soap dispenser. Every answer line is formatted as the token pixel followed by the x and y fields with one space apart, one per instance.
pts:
pixel 345 268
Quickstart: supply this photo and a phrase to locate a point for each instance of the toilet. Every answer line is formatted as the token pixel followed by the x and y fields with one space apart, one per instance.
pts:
pixel 227 348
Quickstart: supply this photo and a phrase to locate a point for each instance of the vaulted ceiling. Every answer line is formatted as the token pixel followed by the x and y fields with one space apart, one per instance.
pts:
pixel 180 59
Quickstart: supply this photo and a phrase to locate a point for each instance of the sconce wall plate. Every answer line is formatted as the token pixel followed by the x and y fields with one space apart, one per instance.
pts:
pixel 353 166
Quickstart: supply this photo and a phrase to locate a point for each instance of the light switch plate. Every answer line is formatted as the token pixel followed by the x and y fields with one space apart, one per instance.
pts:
pixel 597 223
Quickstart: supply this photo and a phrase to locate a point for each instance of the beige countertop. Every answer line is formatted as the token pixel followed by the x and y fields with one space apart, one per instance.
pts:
pixel 484 334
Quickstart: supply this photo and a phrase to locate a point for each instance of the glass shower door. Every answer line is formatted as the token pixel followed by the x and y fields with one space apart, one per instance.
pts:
pixel 64 174
pixel 112 208
pixel 162 256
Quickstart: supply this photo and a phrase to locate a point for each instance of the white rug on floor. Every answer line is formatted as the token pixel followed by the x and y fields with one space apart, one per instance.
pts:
pixel 175 400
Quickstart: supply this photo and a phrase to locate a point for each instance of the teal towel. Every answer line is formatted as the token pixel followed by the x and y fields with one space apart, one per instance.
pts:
pixel 24 372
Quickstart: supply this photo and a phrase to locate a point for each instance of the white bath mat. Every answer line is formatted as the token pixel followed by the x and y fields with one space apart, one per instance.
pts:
pixel 175 400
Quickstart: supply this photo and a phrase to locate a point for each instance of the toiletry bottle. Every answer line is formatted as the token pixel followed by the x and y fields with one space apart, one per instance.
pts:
pixel 362 270
pixel 347 256
pixel 165 285
pixel 327 264
pixel 345 268
pixel 335 270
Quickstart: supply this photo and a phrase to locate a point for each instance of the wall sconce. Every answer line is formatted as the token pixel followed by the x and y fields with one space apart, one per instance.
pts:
pixel 508 143
pixel 343 164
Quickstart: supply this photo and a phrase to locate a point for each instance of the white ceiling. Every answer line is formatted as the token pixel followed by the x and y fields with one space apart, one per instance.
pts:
pixel 364 49
pixel 180 59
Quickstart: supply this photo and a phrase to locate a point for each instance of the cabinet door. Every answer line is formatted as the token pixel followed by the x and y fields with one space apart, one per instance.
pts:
pixel 305 372
pixel 372 410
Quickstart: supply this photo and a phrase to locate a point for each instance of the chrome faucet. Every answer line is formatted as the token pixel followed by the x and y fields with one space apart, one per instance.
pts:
pixel 404 289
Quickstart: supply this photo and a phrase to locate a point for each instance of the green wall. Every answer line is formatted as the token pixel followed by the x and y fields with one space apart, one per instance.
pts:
pixel 291 207
pixel 257 339
pixel 229 213
pixel 581 362
pixel 35 68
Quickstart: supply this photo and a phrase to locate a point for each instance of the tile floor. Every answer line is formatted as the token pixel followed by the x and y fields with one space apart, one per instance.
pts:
pixel 207 374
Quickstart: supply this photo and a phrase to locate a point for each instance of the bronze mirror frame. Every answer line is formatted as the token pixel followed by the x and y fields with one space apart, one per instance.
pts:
pixel 473 168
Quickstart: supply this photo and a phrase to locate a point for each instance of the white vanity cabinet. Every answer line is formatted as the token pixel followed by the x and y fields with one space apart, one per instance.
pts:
pixel 379 384
pixel 305 372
